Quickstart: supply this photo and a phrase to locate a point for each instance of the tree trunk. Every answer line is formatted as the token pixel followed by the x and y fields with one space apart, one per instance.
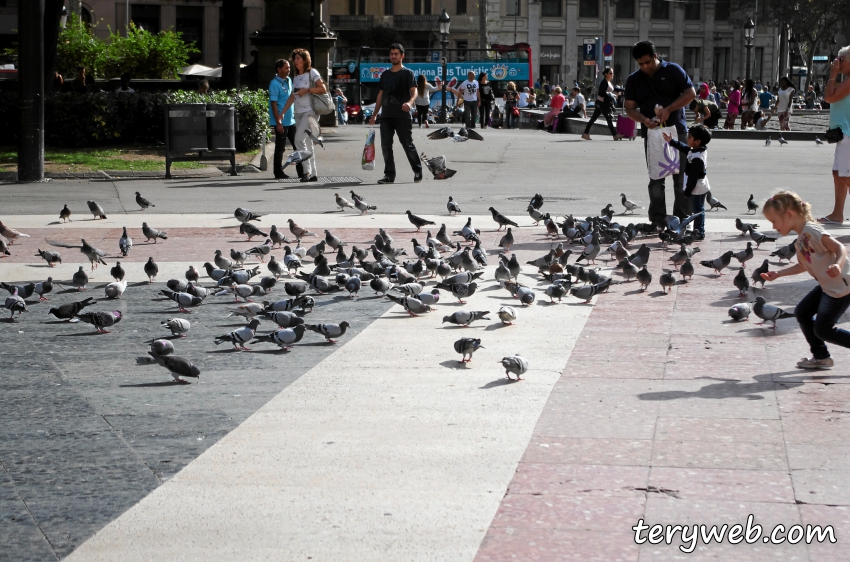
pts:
pixel 52 13
pixel 482 25
pixel 231 56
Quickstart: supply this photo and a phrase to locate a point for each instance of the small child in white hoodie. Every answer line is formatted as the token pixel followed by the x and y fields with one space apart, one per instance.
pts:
pixel 696 179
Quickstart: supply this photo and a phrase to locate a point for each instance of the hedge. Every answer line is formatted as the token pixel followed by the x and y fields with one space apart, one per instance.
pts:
pixel 108 118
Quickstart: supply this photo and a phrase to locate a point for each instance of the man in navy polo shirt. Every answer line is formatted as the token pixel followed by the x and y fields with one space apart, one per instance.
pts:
pixel 668 85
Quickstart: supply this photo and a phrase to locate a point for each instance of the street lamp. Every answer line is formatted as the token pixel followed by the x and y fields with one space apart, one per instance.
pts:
pixel 749 33
pixel 832 45
pixel 63 19
pixel 445 22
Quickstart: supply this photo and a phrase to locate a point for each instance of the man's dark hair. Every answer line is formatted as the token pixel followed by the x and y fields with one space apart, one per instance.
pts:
pixel 125 77
pixel 79 68
pixel 576 89
pixel 643 48
pixel 280 63
pixel 398 46
pixel 700 133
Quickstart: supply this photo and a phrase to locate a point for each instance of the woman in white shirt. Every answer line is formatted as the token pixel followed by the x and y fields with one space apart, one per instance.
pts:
pixel 783 103
pixel 423 99
pixel 304 107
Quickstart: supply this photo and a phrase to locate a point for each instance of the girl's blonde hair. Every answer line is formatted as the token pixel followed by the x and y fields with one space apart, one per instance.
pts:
pixel 789 201
pixel 557 90
pixel 511 86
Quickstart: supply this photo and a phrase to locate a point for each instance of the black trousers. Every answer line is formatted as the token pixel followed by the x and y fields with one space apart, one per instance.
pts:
pixel 403 127
pixel 817 314
pixel 280 147
pixel 597 111
pixel 486 107
pixel 470 114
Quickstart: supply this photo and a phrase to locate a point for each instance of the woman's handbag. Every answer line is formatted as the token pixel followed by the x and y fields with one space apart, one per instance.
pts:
pixel 322 104
pixel 515 111
pixel 834 135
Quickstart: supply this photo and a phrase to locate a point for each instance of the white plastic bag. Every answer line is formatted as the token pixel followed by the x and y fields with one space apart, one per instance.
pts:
pixel 662 160
pixel 368 160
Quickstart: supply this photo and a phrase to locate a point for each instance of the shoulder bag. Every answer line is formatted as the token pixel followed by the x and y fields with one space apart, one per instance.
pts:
pixel 322 104
pixel 834 135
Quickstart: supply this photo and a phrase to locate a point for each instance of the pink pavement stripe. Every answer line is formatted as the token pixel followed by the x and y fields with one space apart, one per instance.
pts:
pixel 663 400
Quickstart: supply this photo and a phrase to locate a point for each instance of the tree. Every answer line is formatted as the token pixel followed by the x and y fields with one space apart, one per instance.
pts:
pixel 231 57
pixel 52 14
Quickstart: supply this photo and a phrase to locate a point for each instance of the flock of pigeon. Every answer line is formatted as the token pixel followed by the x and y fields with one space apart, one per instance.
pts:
pixel 457 259
pixel 782 141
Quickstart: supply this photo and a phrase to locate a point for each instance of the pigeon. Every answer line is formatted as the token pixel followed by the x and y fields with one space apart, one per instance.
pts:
pixel 501 219
pixel 125 243
pixel 101 319
pixel 536 201
pixel 687 269
pixel 767 142
pixel 290 260
pixel 543 261
pixel 183 299
pixel 241 290
pixel 741 282
pixel 342 202
pixel 15 303
pixel 745 255
pixel 409 289
pixel 782 141
pixel 785 252
pixel 591 250
pixel 216 274
pixel 507 315
pixel 644 277
pixel 744 227
pixel 162 347
pixel 353 286
pixel 80 279
pixel 296 158
pixel 42 288
pixel 629 205
pixel 284 338
pixel 277 237
pixel 275 267
pixel 641 257
pixel 152 233
pixel 718 264
pixel 297 231
pixel 467 346
pixel 437 167
pixel 177 366
pixel 52 258
pixel 526 295
pixel 142 202
pixel 23 291
pixel 11 234
pixel 587 292
pixel 262 250
pixel 295 289
pixel 286 305
pixel 418 222
pixel 361 205
pixel 666 280
pixel 630 270
pixel 317 139
pixel 4 249
pixel 248 311
pixel 241 336
pixel 411 304
pixel 65 213
pixel 192 274
pixel 151 269
pixel 431 298
pixel 250 230
pixel 94 255
pixel 760 238
pixel 221 262
pixel 752 206
pixel 244 215
pixel 507 240
pixel 466 317
pixel 442 133
pixel 557 291
pixel 197 291
pixel 96 210
pixel 714 203
pixel 818 142
pixel 380 285
pixel 459 290
pixel 756 275
pixel 333 241
pixel 535 215
pixel 115 289
pixel 177 326
pixel 284 319
pixel 514 267
pixel 330 331
pixel 452 207
pixel 679 257
pixel 515 364
pixel 69 310
pixel 740 311
pixel 465 134
pixel 768 312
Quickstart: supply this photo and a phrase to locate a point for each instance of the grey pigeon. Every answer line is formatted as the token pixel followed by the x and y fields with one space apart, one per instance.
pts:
pixel 125 243
pixel 177 366
pixel 353 286
pixel 745 255
pixel 412 305
pixel 284 338
pixel 69 310
pixel 629 205
pixel 760 238
pixel 644 277
pixel 52 258
pixel 666 280
pixel 101 319
pixel 284 319
pixel 240 336
pixel 752 206
pixel 330 331
pixel 244 215
pixel 768 312
pixel 142 202
pixel 96 210
pixel 315 138
pixel 260 251
pixel 719 264
pixel 23 291
pixel 452 207
pixel 641 257
pixel 297 157
pixel 417 221
pixel 785 252
pixel 818 142
pixel 741 282
pixel 43 288
pixel 222 262
pixel 183 300
pixel 507 314
pixel 94 255
pixel 342 202
pixel 162 347
pixel 250 230
pixel 557 291
pixel 535 215
pixel 380 285
pixel 740 311
pixel 295 289
pixel 333 241
pixel 756 275
pixel 65 213
pixel 501 219
pixel 744 227
pixel 507 241
pixel 437 166
pixel 15 303
pixel 630 270
pixel 177 326
pixel 361 205
pixel 687 269
pixel 544 261
pixel 80 279
pixel 115 289
pixel 275 267
pixel 459 290
pixel 587 292
pixel 781 140
pixel 466 317
pixel 277 237
pixel 152 233
pixel 151 269
pixel 767 142
pixel 714 203
pixel 515 364
pixel 467 346
pixel 536 201
pixel 591 250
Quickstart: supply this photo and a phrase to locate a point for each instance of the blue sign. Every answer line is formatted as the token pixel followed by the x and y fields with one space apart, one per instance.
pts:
pixel 371 72
pixel 435 56
pixel 590 51
pixel 352 67
pixel 608 49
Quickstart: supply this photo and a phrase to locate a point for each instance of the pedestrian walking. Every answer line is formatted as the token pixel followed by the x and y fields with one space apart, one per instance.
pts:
pixel 396 94
pixel 511 98
pixel 824 258
pixel 307 82
pixel 733 108
pixel 664 84
pixel 487 96
pixel 604 105
pixel 838 97
pixel 784 101
pixel 283 122
pixel 468 89
pixel 423 99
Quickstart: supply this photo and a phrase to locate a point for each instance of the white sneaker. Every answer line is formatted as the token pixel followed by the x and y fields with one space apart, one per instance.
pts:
pixel 813 363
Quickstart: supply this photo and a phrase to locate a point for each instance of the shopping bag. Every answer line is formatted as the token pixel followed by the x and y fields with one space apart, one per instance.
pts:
pixel 368 160
pixel 662 160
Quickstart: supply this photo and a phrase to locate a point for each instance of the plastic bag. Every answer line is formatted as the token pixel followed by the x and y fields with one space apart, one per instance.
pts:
pixel 368 160
pixel 662 160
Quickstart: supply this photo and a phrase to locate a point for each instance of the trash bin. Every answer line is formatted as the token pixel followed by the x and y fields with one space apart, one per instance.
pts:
pixel 221 126
pixel 187 127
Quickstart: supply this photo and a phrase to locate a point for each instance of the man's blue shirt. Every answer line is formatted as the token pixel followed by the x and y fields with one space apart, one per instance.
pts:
pixel 279 91
pixel 663 88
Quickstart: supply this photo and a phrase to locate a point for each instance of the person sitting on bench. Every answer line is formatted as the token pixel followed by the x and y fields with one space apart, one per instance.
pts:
pixel 578 107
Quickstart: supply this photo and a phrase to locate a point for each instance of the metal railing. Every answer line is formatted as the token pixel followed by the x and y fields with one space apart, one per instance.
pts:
pixel 416 22
pixel 352 22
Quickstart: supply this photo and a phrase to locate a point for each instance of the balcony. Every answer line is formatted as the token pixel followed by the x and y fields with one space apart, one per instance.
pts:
pixel 422 23
pixel 352 22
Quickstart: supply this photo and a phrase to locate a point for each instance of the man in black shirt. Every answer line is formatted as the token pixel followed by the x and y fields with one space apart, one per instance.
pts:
pixel 397 91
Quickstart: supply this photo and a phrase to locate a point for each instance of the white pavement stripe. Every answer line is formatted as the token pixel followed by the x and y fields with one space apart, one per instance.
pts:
pixel 133 271
pixel 384 451
pixel 321 221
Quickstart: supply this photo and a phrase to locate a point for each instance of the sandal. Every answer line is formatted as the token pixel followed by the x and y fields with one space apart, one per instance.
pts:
pixel 827 220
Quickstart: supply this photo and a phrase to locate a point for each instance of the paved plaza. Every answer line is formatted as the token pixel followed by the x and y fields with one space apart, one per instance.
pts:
pixel 640 406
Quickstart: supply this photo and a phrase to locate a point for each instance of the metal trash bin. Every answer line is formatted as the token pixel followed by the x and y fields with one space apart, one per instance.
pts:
pixel 221 126
pixel 187 127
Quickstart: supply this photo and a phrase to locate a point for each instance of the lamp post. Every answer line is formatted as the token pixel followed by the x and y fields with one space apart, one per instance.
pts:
pixel 793 44
pixel 63 19
pixel 445 22
pixel 832 45
pixel 749 33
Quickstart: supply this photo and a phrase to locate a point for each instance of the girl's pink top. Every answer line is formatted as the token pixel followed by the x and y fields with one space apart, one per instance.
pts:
pixel 558 101
pixel 734 101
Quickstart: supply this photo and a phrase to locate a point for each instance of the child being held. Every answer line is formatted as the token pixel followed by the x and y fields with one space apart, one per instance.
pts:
pixel 696 180
pixel 825 259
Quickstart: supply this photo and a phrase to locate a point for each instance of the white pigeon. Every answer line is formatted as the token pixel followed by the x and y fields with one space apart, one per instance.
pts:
pixel 115 289
pixel 515 364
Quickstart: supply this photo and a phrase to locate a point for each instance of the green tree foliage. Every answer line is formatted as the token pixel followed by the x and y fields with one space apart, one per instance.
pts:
pixel 77 46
